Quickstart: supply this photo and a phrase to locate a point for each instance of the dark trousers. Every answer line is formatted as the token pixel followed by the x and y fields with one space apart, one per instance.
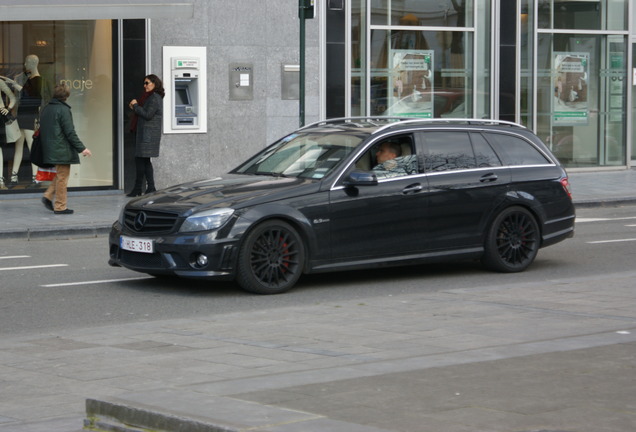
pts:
pixel 143 167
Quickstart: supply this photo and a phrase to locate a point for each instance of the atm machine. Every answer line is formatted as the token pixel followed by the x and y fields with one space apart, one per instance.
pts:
pixel 185 80
pixel 185 92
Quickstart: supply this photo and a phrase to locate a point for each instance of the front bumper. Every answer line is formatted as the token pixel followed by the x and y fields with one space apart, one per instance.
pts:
pixel 177 254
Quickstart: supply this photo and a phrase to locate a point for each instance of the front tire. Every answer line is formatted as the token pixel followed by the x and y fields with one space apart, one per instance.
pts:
pixel 271 259
pixel 512 242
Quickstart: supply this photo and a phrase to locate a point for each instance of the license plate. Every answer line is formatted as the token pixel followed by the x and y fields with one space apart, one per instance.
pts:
pixel 137 244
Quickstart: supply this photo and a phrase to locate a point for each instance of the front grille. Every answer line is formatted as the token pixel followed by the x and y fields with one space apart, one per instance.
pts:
pixel 145 221
pixel 141 260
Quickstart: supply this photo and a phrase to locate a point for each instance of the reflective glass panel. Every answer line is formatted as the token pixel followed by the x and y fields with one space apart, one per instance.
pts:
pixel 588 14
pixel 581 95
pixel 421 73
pixel 447 13
pixel 527 63
pixel 483 70
pixel 633 110
pixel 358 57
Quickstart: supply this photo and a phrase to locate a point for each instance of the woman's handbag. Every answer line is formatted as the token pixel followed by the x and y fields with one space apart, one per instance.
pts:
pixel 37 152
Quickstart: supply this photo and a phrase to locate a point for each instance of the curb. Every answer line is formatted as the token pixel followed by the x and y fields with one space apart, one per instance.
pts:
pixel 55 233
pixel 611 202
pixel 184 411
pixel 119 417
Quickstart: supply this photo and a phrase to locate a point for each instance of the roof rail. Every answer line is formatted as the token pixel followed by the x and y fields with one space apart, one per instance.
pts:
pixel 399 121
pixel 368 119
pixel 452 121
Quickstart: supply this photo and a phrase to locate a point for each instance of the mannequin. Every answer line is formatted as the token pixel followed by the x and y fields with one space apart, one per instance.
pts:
pixel 5 112
pixel 30 85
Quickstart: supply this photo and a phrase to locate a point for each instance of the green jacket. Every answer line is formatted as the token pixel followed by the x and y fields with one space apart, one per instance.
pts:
pixel 60 143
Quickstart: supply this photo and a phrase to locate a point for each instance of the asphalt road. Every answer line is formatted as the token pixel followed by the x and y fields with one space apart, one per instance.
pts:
pixel 64 284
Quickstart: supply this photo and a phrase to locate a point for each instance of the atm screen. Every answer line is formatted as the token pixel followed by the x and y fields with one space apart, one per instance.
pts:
pixel 181 96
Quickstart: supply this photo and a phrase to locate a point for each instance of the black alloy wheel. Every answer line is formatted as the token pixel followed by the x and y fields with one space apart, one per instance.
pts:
pixel 271 258
pixel 512 242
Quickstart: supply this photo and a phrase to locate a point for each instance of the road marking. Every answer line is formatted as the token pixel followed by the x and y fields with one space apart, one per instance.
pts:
pixel 612 241
pixel 34 267
pixel 583 220
pixel 94 282
pixel 14 257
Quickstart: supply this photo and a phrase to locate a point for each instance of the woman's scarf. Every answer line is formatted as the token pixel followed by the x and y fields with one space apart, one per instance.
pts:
pixel 142 99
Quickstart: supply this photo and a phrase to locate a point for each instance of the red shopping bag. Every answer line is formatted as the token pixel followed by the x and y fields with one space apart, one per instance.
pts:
pixel 45 174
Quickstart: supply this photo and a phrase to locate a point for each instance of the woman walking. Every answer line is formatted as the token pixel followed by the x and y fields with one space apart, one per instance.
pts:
pixel 146 123
pixel 61 146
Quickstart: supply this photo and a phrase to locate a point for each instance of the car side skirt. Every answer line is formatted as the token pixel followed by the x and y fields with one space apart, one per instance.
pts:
pixel 458 254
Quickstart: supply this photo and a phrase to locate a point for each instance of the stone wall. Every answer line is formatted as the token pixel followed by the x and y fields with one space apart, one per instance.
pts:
pixel 264 33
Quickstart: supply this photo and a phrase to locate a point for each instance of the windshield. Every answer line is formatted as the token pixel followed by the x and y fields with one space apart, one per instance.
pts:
pixel 306 155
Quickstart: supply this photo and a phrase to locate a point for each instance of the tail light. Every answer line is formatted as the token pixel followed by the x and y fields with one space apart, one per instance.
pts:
pixel 566 186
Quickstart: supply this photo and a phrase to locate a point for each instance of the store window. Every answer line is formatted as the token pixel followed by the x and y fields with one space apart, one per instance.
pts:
pixel 449 13
pixel 417 58
pixel 425 74
pixel 34 57
pixel 583 15
pixel 581 98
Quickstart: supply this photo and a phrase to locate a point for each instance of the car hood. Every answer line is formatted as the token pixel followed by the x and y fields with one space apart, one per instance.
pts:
pixel 234 191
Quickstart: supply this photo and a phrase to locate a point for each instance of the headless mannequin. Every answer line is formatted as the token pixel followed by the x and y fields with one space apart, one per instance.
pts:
pixel 5 110
pixel 30 86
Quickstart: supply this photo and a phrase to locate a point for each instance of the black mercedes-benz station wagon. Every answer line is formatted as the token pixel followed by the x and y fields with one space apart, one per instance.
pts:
pixel 356 193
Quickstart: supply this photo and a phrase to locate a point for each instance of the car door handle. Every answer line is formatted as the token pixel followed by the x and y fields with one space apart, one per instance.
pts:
pixel 412 189
pixel 488 178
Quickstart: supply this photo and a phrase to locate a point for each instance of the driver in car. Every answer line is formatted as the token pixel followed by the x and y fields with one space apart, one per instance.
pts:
pixel 391 163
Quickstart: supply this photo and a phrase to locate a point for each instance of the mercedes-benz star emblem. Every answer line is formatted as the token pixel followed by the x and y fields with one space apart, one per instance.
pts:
pixel 140 220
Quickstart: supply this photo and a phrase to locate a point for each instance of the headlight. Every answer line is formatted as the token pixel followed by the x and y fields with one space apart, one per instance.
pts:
pixel 207 220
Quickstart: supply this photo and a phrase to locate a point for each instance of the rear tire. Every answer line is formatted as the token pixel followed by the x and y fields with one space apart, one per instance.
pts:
pixel 512 242
pixel 271 258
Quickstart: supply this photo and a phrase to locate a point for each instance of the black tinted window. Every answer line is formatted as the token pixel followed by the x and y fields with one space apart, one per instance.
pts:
pixel 484 154
pixel 448 151
pixel 516 151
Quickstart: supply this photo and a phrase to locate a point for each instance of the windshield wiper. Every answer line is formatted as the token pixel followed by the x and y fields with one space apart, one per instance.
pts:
pixel 272 174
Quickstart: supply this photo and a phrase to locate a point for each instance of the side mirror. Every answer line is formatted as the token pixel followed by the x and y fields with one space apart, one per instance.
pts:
pixel 360 178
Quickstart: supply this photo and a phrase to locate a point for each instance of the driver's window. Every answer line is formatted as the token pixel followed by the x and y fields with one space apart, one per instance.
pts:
pixel 390 157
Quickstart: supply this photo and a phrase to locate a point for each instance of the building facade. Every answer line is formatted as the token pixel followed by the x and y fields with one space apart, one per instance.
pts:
pixel 563 68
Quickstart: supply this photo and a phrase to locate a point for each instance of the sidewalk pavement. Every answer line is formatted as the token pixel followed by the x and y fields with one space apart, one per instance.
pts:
pixel 24 216
pixel 544 356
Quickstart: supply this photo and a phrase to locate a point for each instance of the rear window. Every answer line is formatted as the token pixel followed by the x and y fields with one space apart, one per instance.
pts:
pixel 516 151
pixel 447 151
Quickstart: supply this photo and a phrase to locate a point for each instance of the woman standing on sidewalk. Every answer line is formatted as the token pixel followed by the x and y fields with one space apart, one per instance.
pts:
pixel 146 123
pixel 61 146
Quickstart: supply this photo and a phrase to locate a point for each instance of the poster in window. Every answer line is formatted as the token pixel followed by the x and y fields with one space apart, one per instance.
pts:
pixel 570 105
pixel 616 88
pixel 411 84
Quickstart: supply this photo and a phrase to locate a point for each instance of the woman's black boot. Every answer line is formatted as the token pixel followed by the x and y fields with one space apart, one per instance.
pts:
pixel 150 177
pixel 136 190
